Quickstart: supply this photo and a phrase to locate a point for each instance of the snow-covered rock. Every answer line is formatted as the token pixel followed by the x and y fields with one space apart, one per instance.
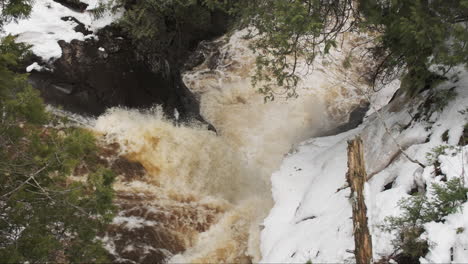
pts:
pixel 45 26
pixel 311 220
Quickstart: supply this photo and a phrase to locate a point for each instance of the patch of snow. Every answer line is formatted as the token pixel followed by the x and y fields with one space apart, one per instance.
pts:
pixel 129 248
pixel 34 67
pixel 449 243
pixel 109 245
pixel 312 221
pixel 291 234
pixel 176 114
pixel 44 28
pixel 382 96
pixel 132 222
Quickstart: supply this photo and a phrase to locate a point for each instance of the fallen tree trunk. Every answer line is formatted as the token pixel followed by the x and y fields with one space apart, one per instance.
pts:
pixel 356 178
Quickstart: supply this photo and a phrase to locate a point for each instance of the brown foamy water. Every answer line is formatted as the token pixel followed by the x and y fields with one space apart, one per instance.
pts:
pixel 204 195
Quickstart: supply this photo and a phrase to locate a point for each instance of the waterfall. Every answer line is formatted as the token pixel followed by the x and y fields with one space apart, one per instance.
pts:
pixel 205 194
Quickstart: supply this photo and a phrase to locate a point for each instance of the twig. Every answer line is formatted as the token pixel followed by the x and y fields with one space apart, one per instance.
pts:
pixel 26 181
pixel 379 116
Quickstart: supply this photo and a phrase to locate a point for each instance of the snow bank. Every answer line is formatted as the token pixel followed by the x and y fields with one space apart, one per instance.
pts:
pixel 45 27
pixel 35 66
pixel 312 221
pixel 308 220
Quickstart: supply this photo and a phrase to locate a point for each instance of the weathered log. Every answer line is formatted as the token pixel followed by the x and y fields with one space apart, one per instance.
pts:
pixel 356 178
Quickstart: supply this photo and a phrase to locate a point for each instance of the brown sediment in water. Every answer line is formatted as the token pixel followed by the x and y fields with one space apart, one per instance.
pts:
pixel 152 224
pixel 204 195
pixel 164 226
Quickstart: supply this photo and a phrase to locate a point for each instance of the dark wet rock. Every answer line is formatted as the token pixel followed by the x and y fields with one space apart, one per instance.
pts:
pixel 389 185
pixel 463 141
pixel 128 169
pixel 154 244
pixel 74 5
pixel 206 51
pixel 80 27
pixel 356 118
pixel 402 258
pixel 93 75
pixel 112 70
pixel 165 227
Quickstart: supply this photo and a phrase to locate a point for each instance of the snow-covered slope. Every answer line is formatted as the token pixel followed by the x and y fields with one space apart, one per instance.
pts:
pixel 312 221
pixel 45 26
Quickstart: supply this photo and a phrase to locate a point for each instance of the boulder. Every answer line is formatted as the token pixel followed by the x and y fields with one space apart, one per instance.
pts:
pixel 96 74
pixel 114 70
pixel 74 5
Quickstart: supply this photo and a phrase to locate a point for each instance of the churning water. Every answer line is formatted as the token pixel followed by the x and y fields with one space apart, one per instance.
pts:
pixel 204 194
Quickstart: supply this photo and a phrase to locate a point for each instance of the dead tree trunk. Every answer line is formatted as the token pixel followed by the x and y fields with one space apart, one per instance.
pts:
pixel 356 178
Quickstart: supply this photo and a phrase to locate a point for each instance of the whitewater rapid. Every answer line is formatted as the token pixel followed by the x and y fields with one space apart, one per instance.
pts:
pixel 203 196
pixel 211 191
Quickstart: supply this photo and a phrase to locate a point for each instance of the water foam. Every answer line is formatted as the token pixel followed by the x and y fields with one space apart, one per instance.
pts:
pixel 228 173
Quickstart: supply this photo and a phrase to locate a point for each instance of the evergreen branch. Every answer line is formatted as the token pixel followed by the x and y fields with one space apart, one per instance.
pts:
pixel 31 177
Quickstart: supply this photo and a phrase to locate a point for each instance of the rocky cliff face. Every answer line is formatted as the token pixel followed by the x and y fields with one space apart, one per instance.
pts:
pixel 107 71
pixel 93 75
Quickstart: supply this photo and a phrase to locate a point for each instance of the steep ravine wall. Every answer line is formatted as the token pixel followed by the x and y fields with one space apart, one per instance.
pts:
pixel 210 192
pixel 107 68
pixel 311 217
pixel 203 195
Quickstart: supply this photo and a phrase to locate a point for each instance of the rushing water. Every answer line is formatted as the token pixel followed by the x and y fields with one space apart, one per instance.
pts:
pixel 204 194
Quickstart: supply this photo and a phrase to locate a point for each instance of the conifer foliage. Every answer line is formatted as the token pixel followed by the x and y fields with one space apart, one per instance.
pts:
pixel 14 9
pixel 45 216
pixel 289 30
pixel 423 37
pixel 446 198
pixel 155 26
pixel 420 39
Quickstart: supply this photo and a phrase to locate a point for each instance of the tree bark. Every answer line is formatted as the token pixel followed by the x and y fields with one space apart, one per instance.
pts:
pixel 356 178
